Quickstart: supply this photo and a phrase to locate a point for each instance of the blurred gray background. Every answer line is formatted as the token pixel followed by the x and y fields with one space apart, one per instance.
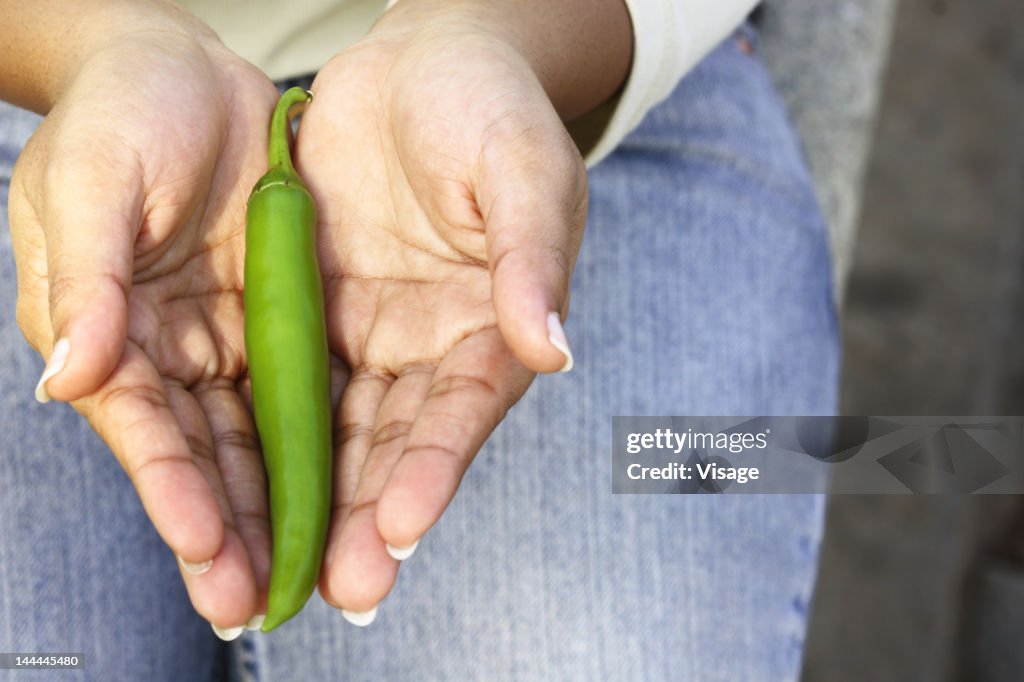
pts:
pixel 918 152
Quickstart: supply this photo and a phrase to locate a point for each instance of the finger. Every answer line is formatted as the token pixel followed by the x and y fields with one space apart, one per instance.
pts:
pixel 352 441
pixel 361 570
pixel 225 595
pixel 240 465
pixel 353 438
pixel 470 393
pixel 533 196
pixel 132 413
pixel 90 219
pixel 32 311
pixel 225 592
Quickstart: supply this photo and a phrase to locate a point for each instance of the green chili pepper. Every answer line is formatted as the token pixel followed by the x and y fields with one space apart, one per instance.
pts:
pixel 286 345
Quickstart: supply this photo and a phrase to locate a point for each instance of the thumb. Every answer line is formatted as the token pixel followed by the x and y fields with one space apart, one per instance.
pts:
pixel 535 204
pixel 89 225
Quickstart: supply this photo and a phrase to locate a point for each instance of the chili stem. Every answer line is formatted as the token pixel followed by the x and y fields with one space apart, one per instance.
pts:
pixel 279 154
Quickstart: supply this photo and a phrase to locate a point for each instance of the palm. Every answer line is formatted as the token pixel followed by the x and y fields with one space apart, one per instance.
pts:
pixel 407 262
pixel 401 290
pixel 171 409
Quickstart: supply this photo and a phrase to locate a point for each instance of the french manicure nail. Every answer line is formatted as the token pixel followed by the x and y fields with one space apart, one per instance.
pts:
pixel 360 618
pixel 228 634
pixel 256 622
pixel 401 553
pixel 195 569
pixel 58 358
pixel 556 335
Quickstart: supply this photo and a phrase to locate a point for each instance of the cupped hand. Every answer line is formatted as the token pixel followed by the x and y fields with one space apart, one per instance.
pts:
pixel 127 216
pixel 452 203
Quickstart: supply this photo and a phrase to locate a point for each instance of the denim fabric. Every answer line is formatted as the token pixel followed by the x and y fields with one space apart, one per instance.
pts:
pixel 81 568
pixel 703 287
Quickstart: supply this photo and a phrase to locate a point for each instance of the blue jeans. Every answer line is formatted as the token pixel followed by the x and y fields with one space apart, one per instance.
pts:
pixel 703 287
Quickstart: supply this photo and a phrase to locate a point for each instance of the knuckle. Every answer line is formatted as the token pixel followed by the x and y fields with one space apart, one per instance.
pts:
pixel 235 437
pixel 200 448
pixel 344 432
pixel 147 402
pixel 65 286
pixel 397 429
pixel 562 261
pixel 448 386
pixel 60 290
pixel 434 449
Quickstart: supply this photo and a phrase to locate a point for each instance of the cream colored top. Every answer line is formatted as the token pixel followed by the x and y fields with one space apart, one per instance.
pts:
pixel 288 38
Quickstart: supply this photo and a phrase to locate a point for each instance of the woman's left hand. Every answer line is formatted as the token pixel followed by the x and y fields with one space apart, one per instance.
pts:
pixel 452 203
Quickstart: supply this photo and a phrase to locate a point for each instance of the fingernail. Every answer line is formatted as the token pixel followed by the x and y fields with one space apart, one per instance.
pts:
pixel 256 622
pixel 401 553
pixel 228 634
pixel 195 569
pixel 556 335
pixel 58 358
pixel 360 618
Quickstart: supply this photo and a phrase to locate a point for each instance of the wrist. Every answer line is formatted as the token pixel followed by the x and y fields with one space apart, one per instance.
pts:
pixel 578 73
pixel 44 57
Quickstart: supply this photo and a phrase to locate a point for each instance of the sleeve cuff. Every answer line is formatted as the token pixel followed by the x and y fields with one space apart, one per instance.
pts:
pixel 669 38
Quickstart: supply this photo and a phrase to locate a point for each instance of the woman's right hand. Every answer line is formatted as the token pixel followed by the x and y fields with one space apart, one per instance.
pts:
pixel 127 213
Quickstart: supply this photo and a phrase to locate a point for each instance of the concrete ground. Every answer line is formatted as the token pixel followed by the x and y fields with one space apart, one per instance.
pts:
pixel 931 588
